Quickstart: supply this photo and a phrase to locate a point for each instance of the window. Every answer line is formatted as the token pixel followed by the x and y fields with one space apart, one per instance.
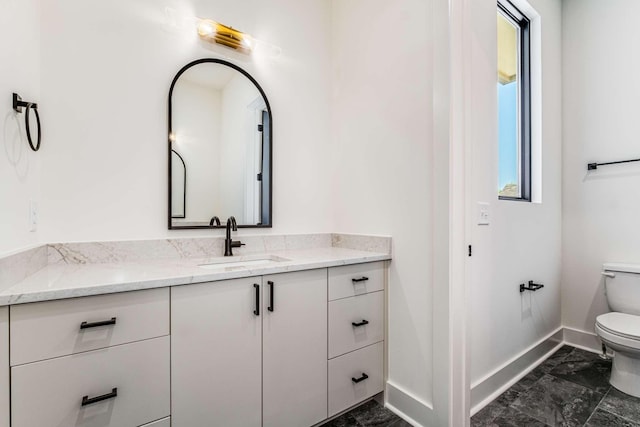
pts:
pixel 514 104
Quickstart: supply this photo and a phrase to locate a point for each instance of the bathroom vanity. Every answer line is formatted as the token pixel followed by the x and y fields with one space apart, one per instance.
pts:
pixel 266 341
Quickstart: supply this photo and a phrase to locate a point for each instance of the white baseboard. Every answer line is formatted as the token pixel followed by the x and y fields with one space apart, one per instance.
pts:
pixel 498 381
pixel 412 409
pixel 420 413
pixel 582 339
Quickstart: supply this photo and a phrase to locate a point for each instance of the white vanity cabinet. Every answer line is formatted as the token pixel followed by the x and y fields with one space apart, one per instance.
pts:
pixel 98 361
pixel 294 328
pixel 216 354
pixel 356 334
pixel 121 386
pixel 4 367
pixel 282 350
pixel 51 329
pixel 250 352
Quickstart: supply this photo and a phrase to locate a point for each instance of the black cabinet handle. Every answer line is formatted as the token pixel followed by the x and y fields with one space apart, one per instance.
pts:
pixel 86 400
pixel 364 322
pixel 362 378
pixel 271 290
pixel 257 310
pixel 86 325
pixel 362 279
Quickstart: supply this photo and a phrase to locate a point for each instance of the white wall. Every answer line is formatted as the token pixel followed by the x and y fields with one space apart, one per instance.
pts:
pixel 382 109
pixel 523 241
pixel 19 166
pixel 601 208
pixel 197 113
pixel 106 71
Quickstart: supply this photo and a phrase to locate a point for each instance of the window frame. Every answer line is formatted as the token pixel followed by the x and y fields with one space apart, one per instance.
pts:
pixel 519 19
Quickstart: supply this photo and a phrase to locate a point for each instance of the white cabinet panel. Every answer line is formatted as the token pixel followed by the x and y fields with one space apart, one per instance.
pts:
pixel 4 366
pixel 216 360
pixel 295 349
pixel 132 379
pixel 344 336
pixel 347 383
pixel 357 279
pixel 50 329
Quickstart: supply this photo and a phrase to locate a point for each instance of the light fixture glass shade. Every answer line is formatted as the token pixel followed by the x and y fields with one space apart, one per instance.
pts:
pixel 215 32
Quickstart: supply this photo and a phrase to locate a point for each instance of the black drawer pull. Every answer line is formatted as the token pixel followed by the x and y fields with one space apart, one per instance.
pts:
pixel 86 325
pixel 271 296
pixel 257 310
pixel 362 279
pixel 86 400
pixel 364 322
pixel 362 378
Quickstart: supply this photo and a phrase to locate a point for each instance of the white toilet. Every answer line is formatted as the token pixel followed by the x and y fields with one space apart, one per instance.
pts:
pixel 620 329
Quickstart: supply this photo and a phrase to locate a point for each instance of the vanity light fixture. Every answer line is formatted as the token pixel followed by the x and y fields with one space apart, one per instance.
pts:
pixel 215 32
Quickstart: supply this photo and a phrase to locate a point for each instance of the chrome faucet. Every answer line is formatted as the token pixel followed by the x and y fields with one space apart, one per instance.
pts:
pixel 228 243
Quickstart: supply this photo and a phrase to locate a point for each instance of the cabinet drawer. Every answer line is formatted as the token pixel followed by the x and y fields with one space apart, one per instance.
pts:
pixel 357 279
pixel 50 329
pixel 344 336
pixel 165 422
pixel 344 392
pixel 52 393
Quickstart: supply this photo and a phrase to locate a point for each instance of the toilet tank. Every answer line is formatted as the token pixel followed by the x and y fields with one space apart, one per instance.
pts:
pixel 622 285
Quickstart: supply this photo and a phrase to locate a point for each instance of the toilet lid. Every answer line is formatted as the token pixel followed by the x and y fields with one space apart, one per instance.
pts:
pixel 625 325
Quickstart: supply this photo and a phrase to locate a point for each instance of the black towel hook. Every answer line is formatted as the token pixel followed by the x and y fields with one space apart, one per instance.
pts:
pixel 18 104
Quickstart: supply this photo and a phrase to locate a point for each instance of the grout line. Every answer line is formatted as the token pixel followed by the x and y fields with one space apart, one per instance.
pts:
pixel 609 411
pixel 578 384
pixel 614 414
pixel 509 405
pixel 575 383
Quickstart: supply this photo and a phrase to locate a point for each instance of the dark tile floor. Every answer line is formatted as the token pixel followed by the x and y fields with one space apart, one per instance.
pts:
pixel 571 388
pixel 369 414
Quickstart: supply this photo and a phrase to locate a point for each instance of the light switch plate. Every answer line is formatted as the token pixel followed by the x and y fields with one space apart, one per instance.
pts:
pixel 484 218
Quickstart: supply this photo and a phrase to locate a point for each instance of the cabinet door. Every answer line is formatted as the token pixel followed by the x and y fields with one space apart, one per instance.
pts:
pixel 4 367
pixel 216 344
pixel 295 349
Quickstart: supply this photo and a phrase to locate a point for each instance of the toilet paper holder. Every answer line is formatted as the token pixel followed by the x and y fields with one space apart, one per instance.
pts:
pixel 531 287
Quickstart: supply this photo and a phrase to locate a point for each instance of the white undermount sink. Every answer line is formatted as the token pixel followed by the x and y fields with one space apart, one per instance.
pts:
pixel 241 262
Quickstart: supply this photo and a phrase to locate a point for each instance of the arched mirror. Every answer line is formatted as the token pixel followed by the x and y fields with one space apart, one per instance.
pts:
pixel 220 145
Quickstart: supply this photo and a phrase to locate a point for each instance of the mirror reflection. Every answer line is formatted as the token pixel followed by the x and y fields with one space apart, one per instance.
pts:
pixel 220 147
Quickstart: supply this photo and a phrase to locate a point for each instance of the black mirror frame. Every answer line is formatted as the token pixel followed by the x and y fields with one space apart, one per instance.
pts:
pixel 184 188
pixel 169 121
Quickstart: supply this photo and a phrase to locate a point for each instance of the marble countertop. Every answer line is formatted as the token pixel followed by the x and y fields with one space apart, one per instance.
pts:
pixel 60 281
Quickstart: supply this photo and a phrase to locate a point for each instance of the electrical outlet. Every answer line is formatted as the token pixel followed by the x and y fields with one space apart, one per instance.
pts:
pixel 483 213
pixel 33 215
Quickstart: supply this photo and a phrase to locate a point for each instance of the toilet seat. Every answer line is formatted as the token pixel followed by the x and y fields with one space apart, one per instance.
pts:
pixel 619 328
